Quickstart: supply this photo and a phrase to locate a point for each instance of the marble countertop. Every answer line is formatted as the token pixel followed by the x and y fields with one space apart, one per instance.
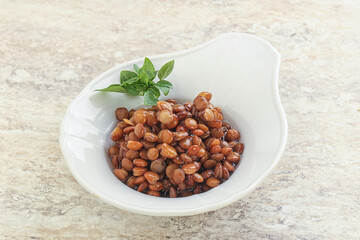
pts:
pixel 49 50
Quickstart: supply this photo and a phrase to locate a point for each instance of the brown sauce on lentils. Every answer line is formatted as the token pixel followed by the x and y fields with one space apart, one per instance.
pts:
pixel 174 150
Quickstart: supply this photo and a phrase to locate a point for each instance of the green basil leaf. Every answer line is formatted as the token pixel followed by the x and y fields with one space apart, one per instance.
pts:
pixel 113 88
pixel 165 90
pixel 164 83
pixel 131 81
pixel 149 99
pixel 155 91
pixel 126 75
pixel 151 75
pixel 136 68
pixel 134 89
pixel 144 78
pixel 151 96
pixel 166 70
pixel 148 65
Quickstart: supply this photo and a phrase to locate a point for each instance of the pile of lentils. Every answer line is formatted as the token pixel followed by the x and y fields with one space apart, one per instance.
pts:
pixel 174 150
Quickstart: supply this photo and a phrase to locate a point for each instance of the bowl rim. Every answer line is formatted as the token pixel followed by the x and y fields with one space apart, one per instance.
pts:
pixel 202 209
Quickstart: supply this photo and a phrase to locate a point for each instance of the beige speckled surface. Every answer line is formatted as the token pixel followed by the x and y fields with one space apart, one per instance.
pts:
pixel 50 50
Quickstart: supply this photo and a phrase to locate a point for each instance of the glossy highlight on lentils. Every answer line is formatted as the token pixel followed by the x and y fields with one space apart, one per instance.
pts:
pixel 174 150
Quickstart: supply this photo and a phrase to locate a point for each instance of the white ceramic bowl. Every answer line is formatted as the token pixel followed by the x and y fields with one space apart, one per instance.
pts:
pixel 242 73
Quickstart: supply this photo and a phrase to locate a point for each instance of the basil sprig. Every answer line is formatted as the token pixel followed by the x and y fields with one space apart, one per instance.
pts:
pixel 140 82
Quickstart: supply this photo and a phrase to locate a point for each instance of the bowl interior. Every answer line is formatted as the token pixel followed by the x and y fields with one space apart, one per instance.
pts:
pixel 241 73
